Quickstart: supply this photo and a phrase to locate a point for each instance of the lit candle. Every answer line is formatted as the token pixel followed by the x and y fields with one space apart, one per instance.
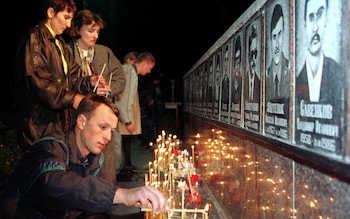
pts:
pixel 182 202
pixel 155 154
pixel 151 176
pixel 206 208
pixel 192 146
pixel 150 172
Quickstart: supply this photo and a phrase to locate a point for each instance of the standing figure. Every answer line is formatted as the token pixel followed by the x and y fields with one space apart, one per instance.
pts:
pixel 47 77
pixel 96 59
pixel 129 105
pixel 123 174
pixel 153 111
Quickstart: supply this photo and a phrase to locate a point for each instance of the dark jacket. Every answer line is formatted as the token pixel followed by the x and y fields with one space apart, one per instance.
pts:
pixel 329 111
pixel 51 185
pixel 44 90
pixel 284 84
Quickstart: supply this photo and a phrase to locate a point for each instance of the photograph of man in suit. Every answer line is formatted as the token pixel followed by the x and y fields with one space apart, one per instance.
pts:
pixel 277 81
pixel 210 91
pixel 237 69
pixel 252 79
pixel 236 82
pixel 320 86
pixel 204 85
pixel 277 74
pixel 225 84
pixel 217 79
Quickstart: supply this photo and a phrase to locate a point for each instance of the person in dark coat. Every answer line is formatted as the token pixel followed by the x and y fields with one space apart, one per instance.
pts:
pixel 61 175
pixel 48 85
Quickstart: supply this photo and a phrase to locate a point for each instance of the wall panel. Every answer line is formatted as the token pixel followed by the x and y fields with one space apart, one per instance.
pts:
pixel 281 152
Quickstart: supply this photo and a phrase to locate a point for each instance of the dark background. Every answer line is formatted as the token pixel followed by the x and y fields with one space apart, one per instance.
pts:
pixel 178 33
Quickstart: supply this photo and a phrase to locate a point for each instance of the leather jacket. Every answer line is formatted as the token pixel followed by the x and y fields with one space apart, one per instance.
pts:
pixel 45 92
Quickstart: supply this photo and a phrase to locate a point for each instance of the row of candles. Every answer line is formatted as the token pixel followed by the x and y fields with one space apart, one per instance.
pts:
pixel 169 165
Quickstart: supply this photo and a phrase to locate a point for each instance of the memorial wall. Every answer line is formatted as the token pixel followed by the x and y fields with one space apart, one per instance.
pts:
pixel 266 107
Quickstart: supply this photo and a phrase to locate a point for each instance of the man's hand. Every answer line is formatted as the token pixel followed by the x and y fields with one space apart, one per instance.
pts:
pixel 142 197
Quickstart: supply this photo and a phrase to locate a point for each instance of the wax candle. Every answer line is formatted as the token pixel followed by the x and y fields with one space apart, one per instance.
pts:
pixel 192 154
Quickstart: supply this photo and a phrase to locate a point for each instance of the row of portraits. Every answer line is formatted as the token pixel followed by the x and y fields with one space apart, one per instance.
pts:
pixel 281 74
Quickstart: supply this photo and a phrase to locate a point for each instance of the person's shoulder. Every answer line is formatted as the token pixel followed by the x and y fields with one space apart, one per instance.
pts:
pixel 34 29
pixel 269 70
pixel 302 73
pixel 53 143
pixel 328 61
pixel 102 47
pixel 104 50
pixel 285 65
pixel 127 67
pixel 57 136
pixel 285 60
pixel 36 32
pixel 333 69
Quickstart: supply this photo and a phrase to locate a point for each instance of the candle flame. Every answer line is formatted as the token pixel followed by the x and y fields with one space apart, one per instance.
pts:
pixel 206 208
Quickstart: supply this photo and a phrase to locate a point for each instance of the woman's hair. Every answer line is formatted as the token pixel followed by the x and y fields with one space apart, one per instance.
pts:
pixel 57 5
pixel 84 17
pixel 130 55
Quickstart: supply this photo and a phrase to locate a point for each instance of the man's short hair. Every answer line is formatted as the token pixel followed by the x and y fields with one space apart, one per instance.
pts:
pixel 276 15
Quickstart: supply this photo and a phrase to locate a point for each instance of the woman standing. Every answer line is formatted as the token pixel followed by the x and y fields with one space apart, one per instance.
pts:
pixel 47 82
pixel 96 59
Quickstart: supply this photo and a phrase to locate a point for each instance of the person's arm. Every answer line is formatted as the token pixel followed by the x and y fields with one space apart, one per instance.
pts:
pixel 47 179
pixel 115 68
pixel 125 99
pixel 133 90
pixel 50 183
pixel 43 74
pixel 87 84
pixel 141 197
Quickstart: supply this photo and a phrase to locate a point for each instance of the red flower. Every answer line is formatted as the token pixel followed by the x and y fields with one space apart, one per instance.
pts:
pixel 194 179
pixel 194 197
pixel 175 152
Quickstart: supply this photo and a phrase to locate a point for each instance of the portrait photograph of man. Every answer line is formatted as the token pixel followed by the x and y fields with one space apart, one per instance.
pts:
pixel 252 79
pixel 277 76
pixel 225 82
pixel 210 86
pixel 236 79
pixel 217 82
pixel 320 82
